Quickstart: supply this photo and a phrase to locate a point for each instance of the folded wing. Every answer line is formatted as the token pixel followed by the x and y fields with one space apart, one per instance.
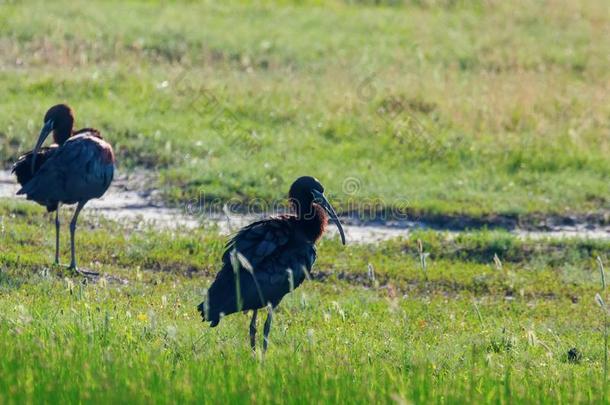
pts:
pixel 79 170
pixel 266 261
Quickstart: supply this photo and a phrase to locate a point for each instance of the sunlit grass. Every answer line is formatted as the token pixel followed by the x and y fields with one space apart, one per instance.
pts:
pixel 144 343
pixel 492 319
pixel 475 108
pixel 440 107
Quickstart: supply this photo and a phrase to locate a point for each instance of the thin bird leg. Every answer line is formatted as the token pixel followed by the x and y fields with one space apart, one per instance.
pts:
pixel 253 330
pixel 79 207
pixel 267 328
pixel 57 225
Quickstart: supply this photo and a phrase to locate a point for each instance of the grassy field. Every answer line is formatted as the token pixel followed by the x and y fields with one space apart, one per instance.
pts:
pixel 441 107
pixel 436 107
pixel 465 328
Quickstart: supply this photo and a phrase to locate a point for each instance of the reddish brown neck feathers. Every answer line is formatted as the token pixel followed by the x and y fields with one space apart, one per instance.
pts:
pixel 314 225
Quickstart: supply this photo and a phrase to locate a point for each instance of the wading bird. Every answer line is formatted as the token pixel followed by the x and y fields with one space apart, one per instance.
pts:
pixel 268 259
pixel 78 167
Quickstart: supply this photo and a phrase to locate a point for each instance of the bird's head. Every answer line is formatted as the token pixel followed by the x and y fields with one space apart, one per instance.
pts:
pixel 59 119
pixel 307 191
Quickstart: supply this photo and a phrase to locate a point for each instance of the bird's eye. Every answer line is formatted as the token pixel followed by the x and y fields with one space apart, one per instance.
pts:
pixel 317 195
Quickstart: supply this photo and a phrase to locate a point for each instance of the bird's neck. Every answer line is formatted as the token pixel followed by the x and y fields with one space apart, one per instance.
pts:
pixel 313 222
pixel 62 133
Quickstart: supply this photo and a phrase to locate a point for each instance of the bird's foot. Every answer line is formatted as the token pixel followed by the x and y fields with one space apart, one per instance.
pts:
pixel 83 273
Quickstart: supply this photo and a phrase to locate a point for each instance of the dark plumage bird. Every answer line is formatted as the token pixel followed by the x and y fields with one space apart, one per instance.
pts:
pixel 78 167
pixel 268 259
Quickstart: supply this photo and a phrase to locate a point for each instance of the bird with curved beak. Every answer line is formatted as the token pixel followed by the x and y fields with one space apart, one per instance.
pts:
pixel 270 258
pixel 76 168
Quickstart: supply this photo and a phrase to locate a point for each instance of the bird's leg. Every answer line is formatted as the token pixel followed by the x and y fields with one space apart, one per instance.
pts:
pixel 57 226
pixel 253 330
pixel 79 207
pixel 267 327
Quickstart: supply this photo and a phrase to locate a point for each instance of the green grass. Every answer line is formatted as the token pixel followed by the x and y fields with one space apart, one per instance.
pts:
pixel 440 108
pixel 472 330
pixel 452 108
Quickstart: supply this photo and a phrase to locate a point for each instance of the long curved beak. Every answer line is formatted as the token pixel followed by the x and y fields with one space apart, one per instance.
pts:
pixel 44 132
pixel 321 199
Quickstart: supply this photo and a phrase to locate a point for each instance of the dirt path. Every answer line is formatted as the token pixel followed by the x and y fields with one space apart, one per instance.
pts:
pixel 128 200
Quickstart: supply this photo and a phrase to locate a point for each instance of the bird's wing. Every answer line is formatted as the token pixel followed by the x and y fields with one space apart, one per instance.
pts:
pixel 79 170
pixel 269 248
pixel 270 262
pixel 273 252
pixel 23 166
pixel 259 241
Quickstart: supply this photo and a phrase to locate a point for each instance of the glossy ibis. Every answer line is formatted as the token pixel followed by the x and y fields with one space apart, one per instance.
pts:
pixel 268 259
pixel 78 167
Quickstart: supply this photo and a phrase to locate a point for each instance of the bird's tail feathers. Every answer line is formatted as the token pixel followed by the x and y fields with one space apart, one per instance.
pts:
pixel 207 315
